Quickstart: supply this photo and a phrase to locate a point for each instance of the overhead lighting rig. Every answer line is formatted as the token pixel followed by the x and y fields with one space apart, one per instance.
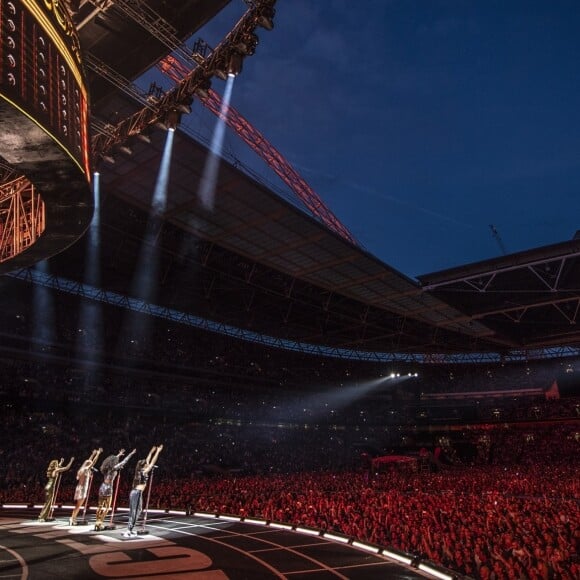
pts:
pixel 226 58
pixel 235 64
pixel 264 12
pixel 247 44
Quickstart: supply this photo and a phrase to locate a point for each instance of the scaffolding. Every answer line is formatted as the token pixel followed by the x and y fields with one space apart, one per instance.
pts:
pixel 22 217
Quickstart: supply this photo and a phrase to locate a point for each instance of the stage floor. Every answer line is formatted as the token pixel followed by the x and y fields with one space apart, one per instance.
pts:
pixel 181 547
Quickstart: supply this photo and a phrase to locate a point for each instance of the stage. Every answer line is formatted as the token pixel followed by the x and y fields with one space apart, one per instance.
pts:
pixel 178 547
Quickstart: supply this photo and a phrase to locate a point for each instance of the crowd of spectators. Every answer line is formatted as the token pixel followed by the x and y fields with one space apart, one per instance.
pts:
pixel 181 348
pixel 467 519
pixel 499 516
pixel 205 397
pixel 265 433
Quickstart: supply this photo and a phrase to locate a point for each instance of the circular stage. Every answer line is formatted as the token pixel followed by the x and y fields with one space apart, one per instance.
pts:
pixel 174 546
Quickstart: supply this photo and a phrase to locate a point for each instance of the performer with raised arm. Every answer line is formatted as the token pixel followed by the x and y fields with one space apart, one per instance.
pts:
pixel 144 466
pixel 84 477
pixel 53 471
pixel 110 469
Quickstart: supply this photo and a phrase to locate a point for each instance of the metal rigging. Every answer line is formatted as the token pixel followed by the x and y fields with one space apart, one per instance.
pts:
pixel 176 71
pixel 167 109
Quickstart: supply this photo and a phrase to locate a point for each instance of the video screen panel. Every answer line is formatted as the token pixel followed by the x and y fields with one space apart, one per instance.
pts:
pixel 41 72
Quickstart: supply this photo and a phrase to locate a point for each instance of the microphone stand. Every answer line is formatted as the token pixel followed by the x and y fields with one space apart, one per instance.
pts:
pixel 143 531
pixel 86 502
pixel 54 495
pixel 111 525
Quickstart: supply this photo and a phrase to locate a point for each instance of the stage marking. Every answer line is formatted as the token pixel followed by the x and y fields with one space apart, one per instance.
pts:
pixel 322 565
pixel 21 561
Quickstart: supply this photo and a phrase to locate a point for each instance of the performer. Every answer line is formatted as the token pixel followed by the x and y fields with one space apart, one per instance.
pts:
pixel 144 466
pixel 110 469
pixel 82 488
pixel 53 471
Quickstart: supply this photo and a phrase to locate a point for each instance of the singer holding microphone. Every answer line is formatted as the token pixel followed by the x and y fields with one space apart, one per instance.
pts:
pixel 142 470
pixel 84 476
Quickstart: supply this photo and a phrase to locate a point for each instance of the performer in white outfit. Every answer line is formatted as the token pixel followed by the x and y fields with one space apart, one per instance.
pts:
pixel 84 476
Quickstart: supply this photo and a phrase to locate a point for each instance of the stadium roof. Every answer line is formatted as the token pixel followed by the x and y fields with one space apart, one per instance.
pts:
pixel 531 298
pixel 258 261
pixel 264 249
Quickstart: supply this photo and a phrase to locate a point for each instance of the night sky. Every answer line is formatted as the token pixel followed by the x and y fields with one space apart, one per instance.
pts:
pixel 419 122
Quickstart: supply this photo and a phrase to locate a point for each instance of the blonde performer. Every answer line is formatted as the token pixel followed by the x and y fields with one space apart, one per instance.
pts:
pixel 53 472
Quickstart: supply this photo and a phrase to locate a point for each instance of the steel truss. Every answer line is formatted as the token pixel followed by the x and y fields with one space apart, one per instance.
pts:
pixel 134 304
pixel 549 292
pixel 104 70
pixel 22 217
pixel 243 43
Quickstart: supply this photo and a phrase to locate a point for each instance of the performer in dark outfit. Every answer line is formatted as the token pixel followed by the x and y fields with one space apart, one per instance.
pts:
pixel 110 469
pixel 53 471
pixel 144 466
pixel 82 488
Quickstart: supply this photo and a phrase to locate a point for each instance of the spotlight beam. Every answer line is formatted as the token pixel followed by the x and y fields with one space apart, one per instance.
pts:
pixel 146 279
pixel 43 307
pixel 90 317
pixel 148 263
pixel 339 397
pixel 208 181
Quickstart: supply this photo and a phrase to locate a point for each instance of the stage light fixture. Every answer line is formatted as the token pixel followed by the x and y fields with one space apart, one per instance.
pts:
pixel 125 149
pixel 398 556
pixel 220 74
pixel 235 64
pixel 265 18
pixel 144 136
pixel 108 158
pixel 221 68
pixel 202 90
pixel 433 571
pixel 247 44
pixel 173 118
pixel 160 124
pixel 185 106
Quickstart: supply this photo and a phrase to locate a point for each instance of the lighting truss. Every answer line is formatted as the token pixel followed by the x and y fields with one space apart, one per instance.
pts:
pixel 183 93
pixel 134 304
pixel 157 26
pixel 104 70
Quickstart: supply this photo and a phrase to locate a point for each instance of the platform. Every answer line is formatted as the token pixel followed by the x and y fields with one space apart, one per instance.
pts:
pixel 180 547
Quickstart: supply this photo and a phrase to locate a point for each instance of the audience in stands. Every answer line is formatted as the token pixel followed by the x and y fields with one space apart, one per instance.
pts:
pixel 502 515
pixel 262 433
